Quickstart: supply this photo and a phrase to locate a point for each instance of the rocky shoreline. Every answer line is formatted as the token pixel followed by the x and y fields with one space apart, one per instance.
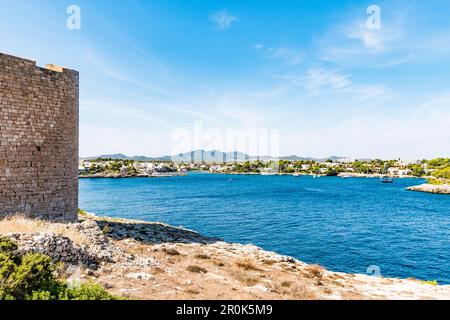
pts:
pixel 127 176
pixel 142 260
pixel 374 175
pixel 431 188
pixel 166 175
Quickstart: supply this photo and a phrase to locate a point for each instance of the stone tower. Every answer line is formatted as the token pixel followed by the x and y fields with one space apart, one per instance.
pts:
pixel 39 110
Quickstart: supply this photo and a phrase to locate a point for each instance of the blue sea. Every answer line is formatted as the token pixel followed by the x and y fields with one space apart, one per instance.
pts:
pixel 345 225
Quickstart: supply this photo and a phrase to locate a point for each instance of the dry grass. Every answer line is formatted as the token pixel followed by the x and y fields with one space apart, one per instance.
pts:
pixel 158 270
pixel 171 251
pixel 219 263
pixel 196 269
pixel 286 284
pixel 269 262
pixel 20 224
pixel 315 271
pixel 327 291
pixel 192 291
pixel 293 291
pixel 202 256
pixel 299 291
pixel 246 278
pixel 247 264
pixel 106 229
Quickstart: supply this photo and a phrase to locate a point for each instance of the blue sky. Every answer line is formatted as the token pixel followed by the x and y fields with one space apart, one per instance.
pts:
pixel 310 69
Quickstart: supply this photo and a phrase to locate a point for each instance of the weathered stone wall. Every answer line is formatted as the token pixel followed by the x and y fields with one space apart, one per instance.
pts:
pixel 38 139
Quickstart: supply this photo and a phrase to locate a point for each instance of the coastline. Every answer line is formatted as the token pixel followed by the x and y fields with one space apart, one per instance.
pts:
pixel 178 174
pixel 431 188
pixel 144 260
pixel 127 176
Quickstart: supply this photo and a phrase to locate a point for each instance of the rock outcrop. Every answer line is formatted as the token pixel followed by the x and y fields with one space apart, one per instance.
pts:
pixel 431 188
pixel 95 248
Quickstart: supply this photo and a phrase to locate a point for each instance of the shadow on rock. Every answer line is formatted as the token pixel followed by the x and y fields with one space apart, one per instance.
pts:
pixel 151 233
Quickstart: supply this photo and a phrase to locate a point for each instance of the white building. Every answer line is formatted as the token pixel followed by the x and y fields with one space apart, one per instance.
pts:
pixel 399 172
pixel 407 162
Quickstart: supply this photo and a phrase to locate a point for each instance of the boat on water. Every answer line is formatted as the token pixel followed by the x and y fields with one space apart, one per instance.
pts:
pixel 385 178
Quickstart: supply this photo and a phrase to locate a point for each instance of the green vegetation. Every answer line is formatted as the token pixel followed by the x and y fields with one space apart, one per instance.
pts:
pixel 33 277
pixel 362 167
pixel 439 163
pixel 437 181
pixel 417 170
pixel 82 212
pixel 119 166
pixel 438 168
pixel 248 167
pixel 333 172
pixel 442 173
pixel 433 282
pixel 106 229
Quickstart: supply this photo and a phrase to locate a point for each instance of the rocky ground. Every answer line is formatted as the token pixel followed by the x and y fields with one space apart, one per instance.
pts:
pixel 431 188
pixel 142 260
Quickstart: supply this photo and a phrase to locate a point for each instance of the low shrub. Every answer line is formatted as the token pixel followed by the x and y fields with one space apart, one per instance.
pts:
pixel 106 229
pixel 32 277
pixel 248 265
pixel 171 251
pixel 433 282
pixel 82 212
pixel 246 278
pixel 196 269
pixel 286 284
pixel 315 271
pixel 438 181
pixel 202 256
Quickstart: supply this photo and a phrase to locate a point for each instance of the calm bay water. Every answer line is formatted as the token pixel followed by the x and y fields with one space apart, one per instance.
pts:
pixel 343 224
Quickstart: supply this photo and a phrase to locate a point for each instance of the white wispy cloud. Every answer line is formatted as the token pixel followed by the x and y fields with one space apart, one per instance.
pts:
pixel 355 42
pixel 284 54
pixel 319 80
pixel 402 39
pixel 223 20
pixel 122 111
pixel 99 62
pixel 376 41
pixel 379 134
pixel 316 79
pixel 368 91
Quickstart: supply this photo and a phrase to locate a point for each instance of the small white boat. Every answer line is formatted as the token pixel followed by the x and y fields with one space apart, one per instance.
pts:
pixel 386 178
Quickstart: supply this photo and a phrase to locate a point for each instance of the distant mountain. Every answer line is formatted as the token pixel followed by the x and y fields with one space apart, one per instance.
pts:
pixel 296 158
pixel 120 156
pixel 212 156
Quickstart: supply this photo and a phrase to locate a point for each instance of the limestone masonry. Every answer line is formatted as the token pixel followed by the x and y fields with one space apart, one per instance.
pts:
pixel 38 139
